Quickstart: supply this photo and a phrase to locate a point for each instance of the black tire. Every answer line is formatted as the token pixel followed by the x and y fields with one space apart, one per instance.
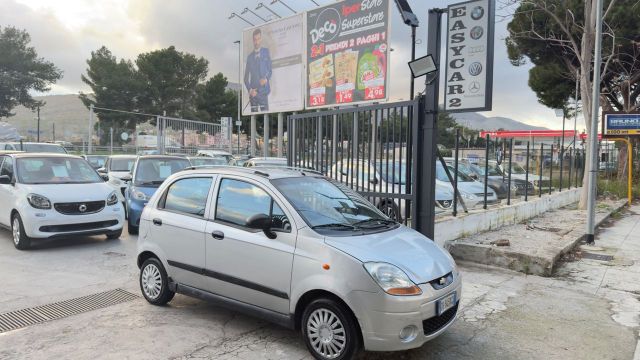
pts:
pixel 114 235
pixel 351 337
pixel 164 295
pixel 390 209
pixel 132 229
pixel 20 240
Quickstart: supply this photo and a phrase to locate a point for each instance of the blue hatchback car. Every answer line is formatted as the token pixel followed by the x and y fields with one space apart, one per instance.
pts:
pixel 149 172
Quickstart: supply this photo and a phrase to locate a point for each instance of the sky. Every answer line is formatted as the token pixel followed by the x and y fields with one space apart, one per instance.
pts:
pixel 66 31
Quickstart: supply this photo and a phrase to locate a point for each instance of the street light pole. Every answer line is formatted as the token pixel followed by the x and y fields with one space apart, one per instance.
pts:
pixel 239 88
pixel 593 134
pixel 38 136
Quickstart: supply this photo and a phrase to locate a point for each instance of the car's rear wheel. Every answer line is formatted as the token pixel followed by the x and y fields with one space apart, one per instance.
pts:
pixel 329 330
pixel 154 282
pixel 20 239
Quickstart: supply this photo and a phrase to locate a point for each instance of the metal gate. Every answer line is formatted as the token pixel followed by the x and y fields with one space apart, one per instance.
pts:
pixel 370 149
pixel 188 136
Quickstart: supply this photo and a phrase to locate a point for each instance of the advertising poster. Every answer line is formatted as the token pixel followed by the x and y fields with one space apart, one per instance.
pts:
pixel 347 53
pixel 617 124
pixel 469 64
pixel 272 67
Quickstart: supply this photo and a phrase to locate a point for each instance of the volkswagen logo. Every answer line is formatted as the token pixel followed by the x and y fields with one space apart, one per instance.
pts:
pixel 475 69
pixel 82 208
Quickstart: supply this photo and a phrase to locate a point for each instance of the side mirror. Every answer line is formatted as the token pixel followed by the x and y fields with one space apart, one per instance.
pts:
pixel 5 180
pixel 102 170
pixel 474 176
pixel 104 177
pixel 126 178
pixel 261 222
pixel 374 181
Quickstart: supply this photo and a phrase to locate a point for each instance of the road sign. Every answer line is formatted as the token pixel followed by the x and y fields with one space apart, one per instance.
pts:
pixel 469 62
pixel 620 124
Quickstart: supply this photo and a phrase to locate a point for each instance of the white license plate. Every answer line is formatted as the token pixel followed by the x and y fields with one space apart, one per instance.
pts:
pixel 446 303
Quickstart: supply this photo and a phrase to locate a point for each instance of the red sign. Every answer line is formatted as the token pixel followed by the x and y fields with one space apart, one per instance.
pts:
pixel 345 96
pixel 374 93
pixel 317 100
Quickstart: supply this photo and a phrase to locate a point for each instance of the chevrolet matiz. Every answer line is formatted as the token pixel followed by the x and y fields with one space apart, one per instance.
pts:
pixel 298 249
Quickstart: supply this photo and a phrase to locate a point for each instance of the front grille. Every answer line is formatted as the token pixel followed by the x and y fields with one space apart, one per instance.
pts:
pixel 79 208
pixel 79 227
pixel 432 325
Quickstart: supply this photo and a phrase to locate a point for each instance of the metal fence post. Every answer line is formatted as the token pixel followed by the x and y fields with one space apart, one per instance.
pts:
pixel 486 170
pixel 540 174
pixel 510 170
pixel 280 141
pixel 551 170
pixel 526 177
pixel 455 173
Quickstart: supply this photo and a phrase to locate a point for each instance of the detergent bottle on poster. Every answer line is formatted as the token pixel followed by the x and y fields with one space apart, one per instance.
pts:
pixel 371 66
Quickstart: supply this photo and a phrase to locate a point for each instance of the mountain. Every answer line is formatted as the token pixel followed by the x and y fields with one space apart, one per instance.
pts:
pixel 480 122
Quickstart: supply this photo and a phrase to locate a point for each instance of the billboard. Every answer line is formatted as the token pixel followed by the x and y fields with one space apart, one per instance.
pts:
pixel 347 53
pixel 469 62
pixel 620 124
pixel 272 67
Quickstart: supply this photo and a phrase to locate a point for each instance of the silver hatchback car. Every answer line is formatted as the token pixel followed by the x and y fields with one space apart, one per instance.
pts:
pixel 298 249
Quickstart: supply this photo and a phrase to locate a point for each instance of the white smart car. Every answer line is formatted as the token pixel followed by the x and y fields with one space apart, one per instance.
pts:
pixel 53 196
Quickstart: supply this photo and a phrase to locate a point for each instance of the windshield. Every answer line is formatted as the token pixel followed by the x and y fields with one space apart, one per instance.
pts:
pixel 46 148
pixel 516 169
pixel 55 170
pixel 442 175
pixel 327 204
pixel 204 161
pixel 121 164
pixel 493 169
pixel 96 161
pixel 153 171
pixel 393 172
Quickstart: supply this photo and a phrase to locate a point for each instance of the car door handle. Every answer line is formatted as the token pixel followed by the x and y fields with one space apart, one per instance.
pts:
pixel 218 235
pixel 157 222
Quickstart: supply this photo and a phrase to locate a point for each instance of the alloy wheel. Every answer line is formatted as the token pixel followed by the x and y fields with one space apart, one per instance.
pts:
pixel 16 230
pixel 326 333
pixel 151 281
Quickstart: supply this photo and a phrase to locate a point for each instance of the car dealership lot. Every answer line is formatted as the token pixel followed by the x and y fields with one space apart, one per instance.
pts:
pixel 505 315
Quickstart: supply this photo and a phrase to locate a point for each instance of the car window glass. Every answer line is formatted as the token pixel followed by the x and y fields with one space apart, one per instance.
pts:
pixel 279 220
pixel 239 200
pixel 188 196
pixel 53 170
pixel 7 167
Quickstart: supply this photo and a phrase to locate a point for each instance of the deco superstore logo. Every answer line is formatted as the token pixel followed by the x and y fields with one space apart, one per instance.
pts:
pixel 326 28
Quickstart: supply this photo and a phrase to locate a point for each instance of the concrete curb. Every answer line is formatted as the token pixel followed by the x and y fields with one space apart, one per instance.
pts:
pixel 525 262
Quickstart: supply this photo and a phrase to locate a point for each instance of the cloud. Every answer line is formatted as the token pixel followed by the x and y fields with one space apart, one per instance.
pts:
pixel 65 32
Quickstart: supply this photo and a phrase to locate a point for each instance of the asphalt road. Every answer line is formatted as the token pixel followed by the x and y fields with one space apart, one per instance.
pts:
pixel 505 315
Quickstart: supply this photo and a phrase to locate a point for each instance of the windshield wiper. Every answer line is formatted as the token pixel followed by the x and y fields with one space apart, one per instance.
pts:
pixel 383 222
pixel 335 225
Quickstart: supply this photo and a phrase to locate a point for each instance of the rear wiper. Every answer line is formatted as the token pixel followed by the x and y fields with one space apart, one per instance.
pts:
pixel 335 225
pixel 375 222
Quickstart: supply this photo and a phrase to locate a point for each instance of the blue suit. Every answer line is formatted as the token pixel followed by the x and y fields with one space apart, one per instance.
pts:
pixel 258 67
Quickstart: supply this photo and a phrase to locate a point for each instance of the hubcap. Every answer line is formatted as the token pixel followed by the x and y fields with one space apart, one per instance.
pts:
pixel 151 281
pixel 16 230
pixel 326 333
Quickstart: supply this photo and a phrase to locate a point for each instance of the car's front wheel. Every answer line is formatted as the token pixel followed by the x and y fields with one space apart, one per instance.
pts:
pixel 154 282
pixel 20 239
pixel 329 330
pixel 114 235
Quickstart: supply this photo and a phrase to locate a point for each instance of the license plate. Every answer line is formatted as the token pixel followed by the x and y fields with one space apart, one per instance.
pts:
pixel 446 303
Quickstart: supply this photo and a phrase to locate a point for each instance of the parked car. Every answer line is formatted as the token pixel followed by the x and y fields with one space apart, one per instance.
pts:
pixel 216 153
pixel 266 161
pixel 518 172
pixel 300 250
pixel 495 181
pixel 55 196
pixel 207 161
pixel 472 191
pixel 116 168
pixel 33 147
pixel 149 172
pixel 96 161
pixel 388 181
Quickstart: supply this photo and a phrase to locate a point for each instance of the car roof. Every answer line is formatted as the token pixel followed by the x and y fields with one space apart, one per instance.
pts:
pixel 268 159
pixel 268 172
pixel 37 155
pixel 123 156
pixel 141 157
pixel 33 143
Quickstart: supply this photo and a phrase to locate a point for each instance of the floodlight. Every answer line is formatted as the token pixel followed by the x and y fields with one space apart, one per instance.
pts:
pixel 422 66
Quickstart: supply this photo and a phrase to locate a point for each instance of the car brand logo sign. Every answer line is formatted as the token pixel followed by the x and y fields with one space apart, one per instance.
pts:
pixel 442 281
pixel 476 32
pixel 474 87
pixel 477 12
pixel 82 208
pixel 475 69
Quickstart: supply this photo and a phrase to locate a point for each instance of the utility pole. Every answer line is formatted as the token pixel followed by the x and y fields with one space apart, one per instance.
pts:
pixel 239 89
pixel 38 136
pixel 593 134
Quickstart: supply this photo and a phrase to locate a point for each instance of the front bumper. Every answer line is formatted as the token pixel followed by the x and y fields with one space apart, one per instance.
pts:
pixel 382 316
pixel 52 224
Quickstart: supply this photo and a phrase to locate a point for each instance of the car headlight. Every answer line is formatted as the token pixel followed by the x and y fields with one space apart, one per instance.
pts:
pixel 39 201
pixel 112 199
pixel 467 195
pixel 391 279
pixel 139 195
